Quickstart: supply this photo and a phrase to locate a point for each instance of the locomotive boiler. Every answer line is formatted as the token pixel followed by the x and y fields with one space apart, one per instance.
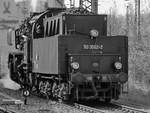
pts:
pixel 66 53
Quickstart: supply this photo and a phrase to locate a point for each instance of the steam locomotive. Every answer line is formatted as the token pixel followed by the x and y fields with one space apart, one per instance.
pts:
pixel 66 53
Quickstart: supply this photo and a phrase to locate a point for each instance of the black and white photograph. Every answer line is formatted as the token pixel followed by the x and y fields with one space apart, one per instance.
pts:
pixel 74 56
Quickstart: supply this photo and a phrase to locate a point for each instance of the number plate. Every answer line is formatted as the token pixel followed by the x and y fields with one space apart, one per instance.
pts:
pixel 86 46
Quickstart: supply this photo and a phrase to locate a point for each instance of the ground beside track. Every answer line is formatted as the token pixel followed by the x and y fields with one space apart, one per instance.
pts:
pixel 40 105
pixel 125 100
pixel 34 103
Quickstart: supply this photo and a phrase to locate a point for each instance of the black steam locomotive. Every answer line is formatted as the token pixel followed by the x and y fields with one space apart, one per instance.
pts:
pixel 67 54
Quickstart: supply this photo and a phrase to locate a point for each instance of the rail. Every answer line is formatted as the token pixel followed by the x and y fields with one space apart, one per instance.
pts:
pixel 128 109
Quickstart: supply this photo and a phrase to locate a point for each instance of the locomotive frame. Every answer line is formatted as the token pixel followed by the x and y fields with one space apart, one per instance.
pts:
pixel 60 58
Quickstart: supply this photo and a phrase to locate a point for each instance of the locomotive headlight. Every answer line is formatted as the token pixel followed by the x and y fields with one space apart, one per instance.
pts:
pixel 75 65
pixel 94 33
pixel 118 65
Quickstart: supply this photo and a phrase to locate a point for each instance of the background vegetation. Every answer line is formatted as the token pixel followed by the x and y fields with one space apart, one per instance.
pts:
pixel 139 51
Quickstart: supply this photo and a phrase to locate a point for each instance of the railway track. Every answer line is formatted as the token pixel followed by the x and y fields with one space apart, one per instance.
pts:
pixel 118 109
pixel 60 106
pixel 5 110
pixel 88 109
pixel 6 101
pixel 79 108
pixel 114 108
pixel 82 108
pixel 128 109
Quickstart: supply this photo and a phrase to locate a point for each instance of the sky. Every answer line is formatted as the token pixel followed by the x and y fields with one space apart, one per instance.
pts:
pixel 106 6
pixel 33 3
